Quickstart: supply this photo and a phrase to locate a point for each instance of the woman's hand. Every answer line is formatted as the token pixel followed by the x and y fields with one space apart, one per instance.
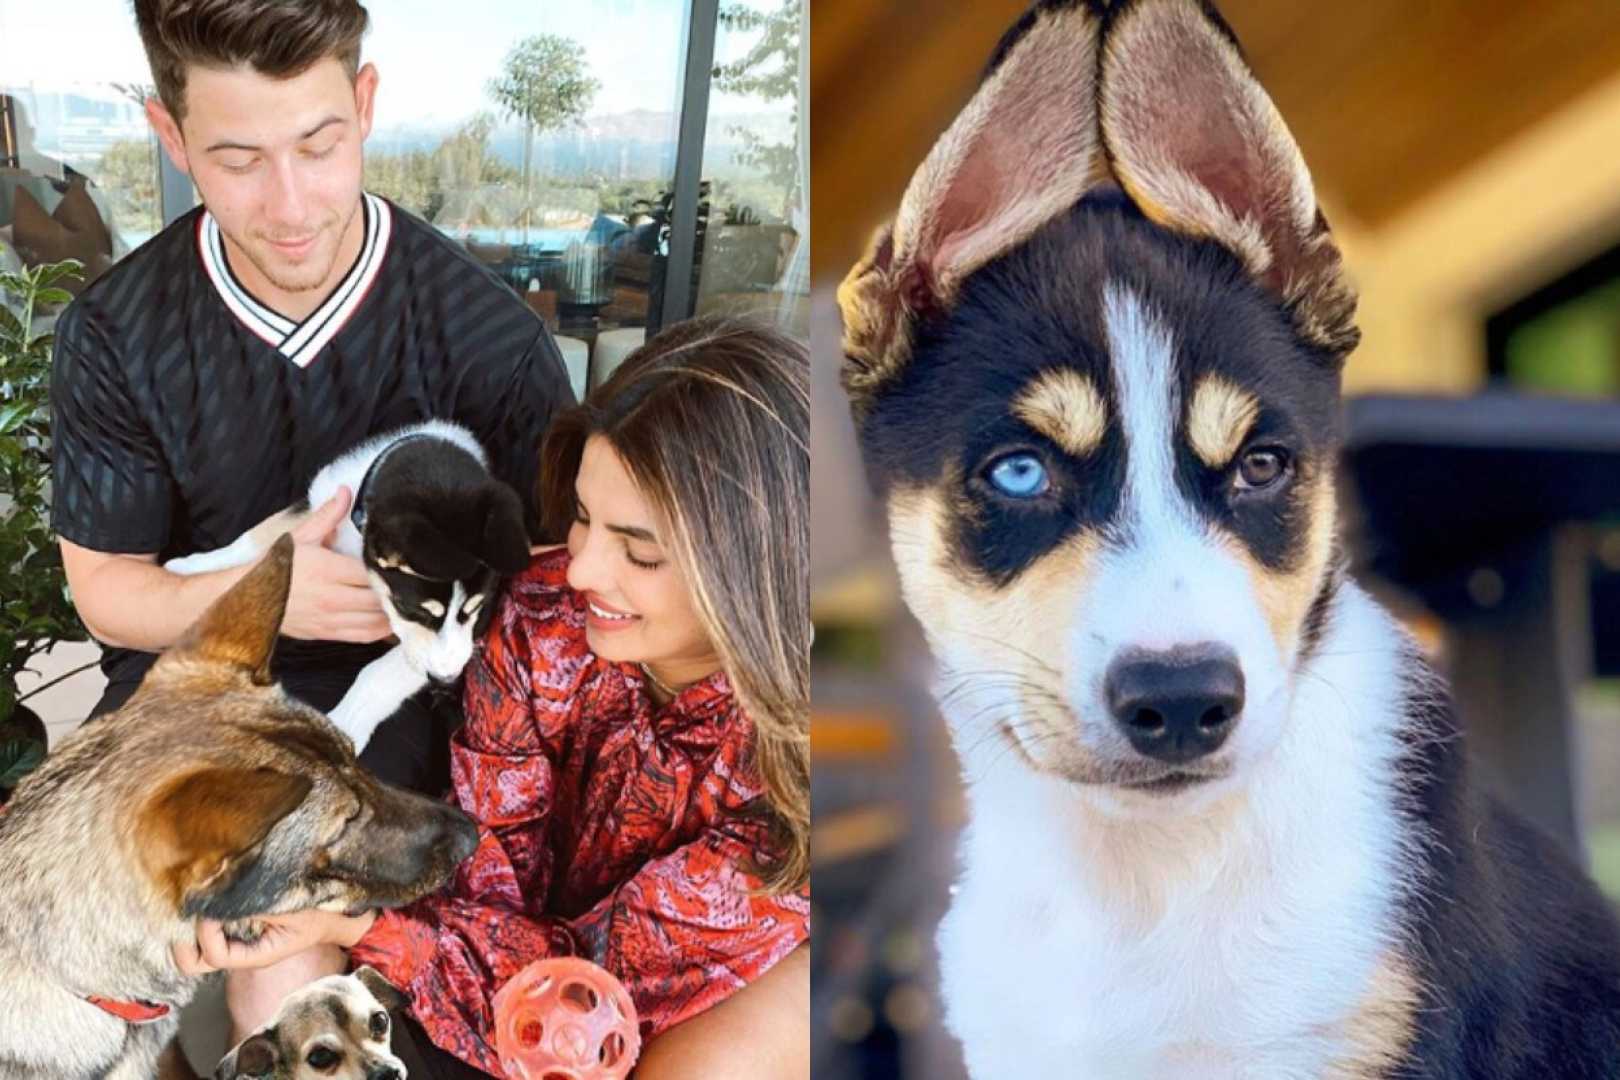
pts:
pixel 284 936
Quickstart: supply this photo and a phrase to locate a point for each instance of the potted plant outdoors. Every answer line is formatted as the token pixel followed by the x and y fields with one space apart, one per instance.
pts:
pixel 35 611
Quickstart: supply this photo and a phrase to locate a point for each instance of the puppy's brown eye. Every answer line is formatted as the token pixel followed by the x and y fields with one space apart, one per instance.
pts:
pixel 1261 468
pixel 379 1025
pixel 323 1059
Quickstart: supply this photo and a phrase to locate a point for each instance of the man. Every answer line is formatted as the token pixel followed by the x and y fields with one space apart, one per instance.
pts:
pixel 201 382
pixel 204 380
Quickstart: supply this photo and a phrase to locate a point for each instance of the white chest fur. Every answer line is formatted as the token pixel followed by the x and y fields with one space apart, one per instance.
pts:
pixel 387 681
pixel 1236 940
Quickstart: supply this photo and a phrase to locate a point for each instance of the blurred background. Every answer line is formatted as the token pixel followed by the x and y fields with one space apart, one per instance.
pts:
pixel 1468 156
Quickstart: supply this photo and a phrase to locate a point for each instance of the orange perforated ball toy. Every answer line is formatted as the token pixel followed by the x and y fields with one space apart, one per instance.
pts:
pixel 565 1019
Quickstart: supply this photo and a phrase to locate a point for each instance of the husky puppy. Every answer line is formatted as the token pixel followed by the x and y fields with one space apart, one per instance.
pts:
pixel 436 533
pixel 210 794
pixel 336 1028
pixel 1220 819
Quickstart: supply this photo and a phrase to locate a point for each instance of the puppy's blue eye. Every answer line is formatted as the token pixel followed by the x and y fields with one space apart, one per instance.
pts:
pixel 1019 476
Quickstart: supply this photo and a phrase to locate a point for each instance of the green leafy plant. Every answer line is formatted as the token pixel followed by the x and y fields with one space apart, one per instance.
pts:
pixel 35 610
pixel 770 71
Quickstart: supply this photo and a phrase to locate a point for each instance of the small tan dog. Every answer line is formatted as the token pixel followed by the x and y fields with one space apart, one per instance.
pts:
pixel 336 1028
pixel 211 794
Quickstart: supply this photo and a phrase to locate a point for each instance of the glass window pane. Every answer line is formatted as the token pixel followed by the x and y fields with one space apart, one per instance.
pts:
pixel 78 162
pixel 544 141
pixel 754 225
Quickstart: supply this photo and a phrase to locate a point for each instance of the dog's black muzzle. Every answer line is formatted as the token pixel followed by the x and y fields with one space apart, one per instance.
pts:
pixel 1176 706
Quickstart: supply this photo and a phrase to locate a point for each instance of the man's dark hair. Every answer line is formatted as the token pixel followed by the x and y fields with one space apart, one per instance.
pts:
pixel 278 38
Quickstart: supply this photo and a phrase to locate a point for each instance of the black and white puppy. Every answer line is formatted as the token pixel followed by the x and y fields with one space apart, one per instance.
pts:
pixel 436 533
pixel 336 1028
pixel 1221 824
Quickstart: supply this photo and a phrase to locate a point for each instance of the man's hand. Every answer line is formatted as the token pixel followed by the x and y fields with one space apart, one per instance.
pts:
pixel 284 936
pixel 330 599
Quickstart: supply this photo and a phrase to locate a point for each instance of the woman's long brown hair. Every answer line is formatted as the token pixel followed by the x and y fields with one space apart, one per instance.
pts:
pixel 712 420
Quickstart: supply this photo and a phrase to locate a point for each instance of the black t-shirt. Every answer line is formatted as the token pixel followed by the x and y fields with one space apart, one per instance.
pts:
pixel 184 411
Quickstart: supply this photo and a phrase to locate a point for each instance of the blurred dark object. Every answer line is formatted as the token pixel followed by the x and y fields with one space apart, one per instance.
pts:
pixel 1564 337
pixel 885 853
pixel 659 213
pixel 74 230
pixel 1488 510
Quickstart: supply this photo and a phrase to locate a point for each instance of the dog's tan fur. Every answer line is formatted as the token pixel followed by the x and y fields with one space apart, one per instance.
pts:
pixel 210 794
pixel 1016 631
pixel 1219 419
pixel 1063 405
pixel 1286 595
pixel 1385 1023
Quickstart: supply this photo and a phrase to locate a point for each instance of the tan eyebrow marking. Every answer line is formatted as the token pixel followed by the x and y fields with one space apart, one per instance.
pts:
pixel 1220 418
pixel 1064 406
pixel 394 562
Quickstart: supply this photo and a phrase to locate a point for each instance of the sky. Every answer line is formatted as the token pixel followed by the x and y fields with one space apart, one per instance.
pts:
pixel 433 69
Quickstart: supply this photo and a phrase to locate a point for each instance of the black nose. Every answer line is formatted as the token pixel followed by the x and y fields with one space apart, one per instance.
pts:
pixel 461 835
pixel 383 1072
pixel 1176 706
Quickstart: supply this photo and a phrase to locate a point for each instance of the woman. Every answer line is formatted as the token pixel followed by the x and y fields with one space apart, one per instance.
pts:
pixel 636 742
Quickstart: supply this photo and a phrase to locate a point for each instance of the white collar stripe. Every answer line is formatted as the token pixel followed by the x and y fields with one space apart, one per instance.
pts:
pixel 312 335
pixel 318 318
pixel 245 315
pixel 274 321
pixel 300 342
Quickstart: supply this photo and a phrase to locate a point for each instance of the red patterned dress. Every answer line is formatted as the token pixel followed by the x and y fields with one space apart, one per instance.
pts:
pixel 612 829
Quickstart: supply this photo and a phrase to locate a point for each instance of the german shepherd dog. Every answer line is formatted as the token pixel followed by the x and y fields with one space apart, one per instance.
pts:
pixel 210 794
pixel 1221 824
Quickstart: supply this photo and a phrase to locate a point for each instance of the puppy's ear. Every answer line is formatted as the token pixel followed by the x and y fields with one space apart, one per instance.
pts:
pixel 1025 149
pixel 411 537
pixel 256 1057
pixel 1202 150
pixel 239 629
pixel 504 541
pixel 200 833
pixel 380 988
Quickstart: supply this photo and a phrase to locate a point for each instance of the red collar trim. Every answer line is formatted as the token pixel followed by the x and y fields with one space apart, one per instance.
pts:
pixel 134 1012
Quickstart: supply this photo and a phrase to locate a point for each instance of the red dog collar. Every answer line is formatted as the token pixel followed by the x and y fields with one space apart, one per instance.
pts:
pixel 134 1012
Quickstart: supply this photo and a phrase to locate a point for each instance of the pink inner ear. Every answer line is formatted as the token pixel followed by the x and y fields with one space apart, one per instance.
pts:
pixel 1024 150
pixel 977 191
pixel 1188 114
pixel 1180 105
pixel 1230 154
